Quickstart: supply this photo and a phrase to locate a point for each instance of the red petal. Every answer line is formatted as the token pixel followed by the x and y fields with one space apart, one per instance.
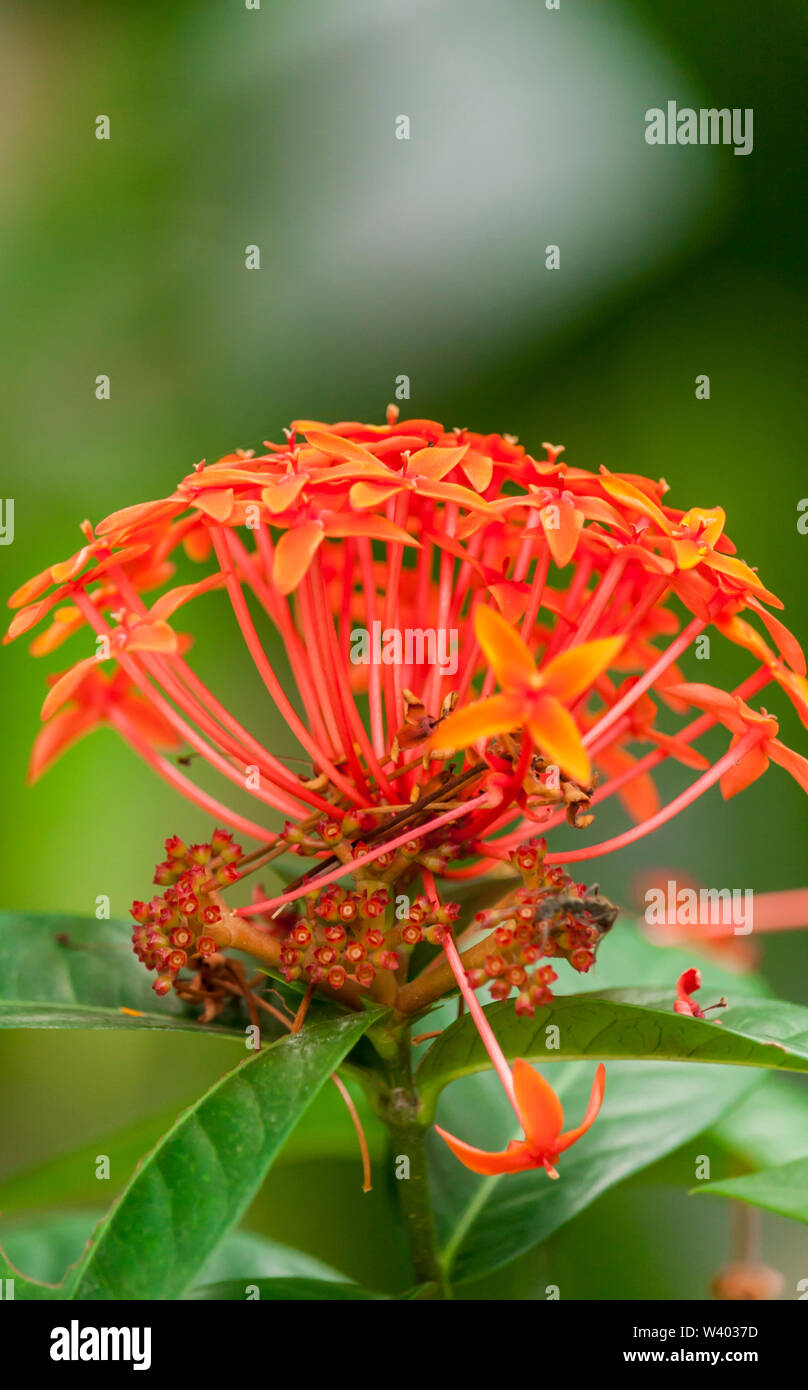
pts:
pixel 592 1111
pixel 512 1160
pixel 539 1108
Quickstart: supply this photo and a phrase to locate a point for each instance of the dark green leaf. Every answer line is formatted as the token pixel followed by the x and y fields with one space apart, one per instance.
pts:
pixel 76 972
pixel 638 1024
pixel 44 1246
pixel 199 1180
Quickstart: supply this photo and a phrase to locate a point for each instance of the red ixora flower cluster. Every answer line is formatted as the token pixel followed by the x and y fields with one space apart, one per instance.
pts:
pixel 468 646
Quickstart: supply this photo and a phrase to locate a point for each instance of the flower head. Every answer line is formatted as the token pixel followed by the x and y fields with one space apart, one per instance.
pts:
pixel 464 563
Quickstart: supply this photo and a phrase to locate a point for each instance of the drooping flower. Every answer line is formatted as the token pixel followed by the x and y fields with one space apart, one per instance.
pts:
pixel 541 1116
pixel 689 981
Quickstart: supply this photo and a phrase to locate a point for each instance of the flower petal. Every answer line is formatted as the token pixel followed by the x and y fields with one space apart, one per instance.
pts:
pixel 482 719
pixel 592 1111
pixel 63 730
pixel 744 773
pixel 294 553
pixel 556 734
pixel 562 528
pixel 507 654
pixel 514 1159
pixel 567 676
pixel 540 1110
pixel 791 761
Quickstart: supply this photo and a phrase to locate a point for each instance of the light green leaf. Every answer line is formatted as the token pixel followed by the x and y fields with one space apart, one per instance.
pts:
pixel 783 1189
pixel 770 1125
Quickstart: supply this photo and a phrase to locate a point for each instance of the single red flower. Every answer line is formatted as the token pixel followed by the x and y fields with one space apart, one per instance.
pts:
pixel 541 1116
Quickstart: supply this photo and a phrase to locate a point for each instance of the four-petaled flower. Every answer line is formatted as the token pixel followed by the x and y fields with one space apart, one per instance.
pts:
pixel 541 1116
pixel 536 699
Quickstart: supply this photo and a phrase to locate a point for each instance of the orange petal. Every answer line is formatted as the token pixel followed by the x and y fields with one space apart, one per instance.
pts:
pixel 372 495
pixel 539 1108
pixel 592 1110
pixel 567 676
pixel 506 652
pixel 64 687
pixel 216 503
pixel 688 553
pixel 151 637
pixel 745 772
pixel 785 641
pixel 454 492
pixel 169 602
pixel 294 553
pixel 719 703
pixel 791 761
pixel 562 527
pixel 65 729
pixel 556 734
pixel 639 796
pixel 141 512
pixel 31 589
pixel 482 719
pixel 512 1160
pixel 741 573
pixel 151 725
pixel 707 522
pixel 338 447
pixel 435 463
pixel 479 470
pixel 636 501
pixel 510 598
pixel 281 495
pixel 375 528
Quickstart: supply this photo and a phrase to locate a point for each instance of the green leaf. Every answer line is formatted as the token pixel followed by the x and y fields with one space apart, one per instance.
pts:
pixel 650 1109
pixel 286 1290
pixel 622 1024
pixel 45 1246
pixel 770 1126
pixel 197 1183
pixel 783 1189
pixel 45 983
pixel 36 1014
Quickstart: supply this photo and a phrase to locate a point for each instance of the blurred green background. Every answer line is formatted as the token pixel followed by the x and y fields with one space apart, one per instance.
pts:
pixel 276 128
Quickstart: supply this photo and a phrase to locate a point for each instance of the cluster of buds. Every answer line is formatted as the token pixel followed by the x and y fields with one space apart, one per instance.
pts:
pixel 549 916
pixel 173 928
pixel 349 935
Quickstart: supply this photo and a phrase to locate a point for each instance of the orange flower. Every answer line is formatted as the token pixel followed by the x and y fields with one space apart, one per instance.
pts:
pixel 531 698
pixel 541 1116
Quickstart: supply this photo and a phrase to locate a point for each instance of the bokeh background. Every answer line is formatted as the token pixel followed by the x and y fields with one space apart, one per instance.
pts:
pixel 379 257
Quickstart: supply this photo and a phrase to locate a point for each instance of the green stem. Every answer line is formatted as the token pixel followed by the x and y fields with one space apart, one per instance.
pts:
pixel 402 1112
